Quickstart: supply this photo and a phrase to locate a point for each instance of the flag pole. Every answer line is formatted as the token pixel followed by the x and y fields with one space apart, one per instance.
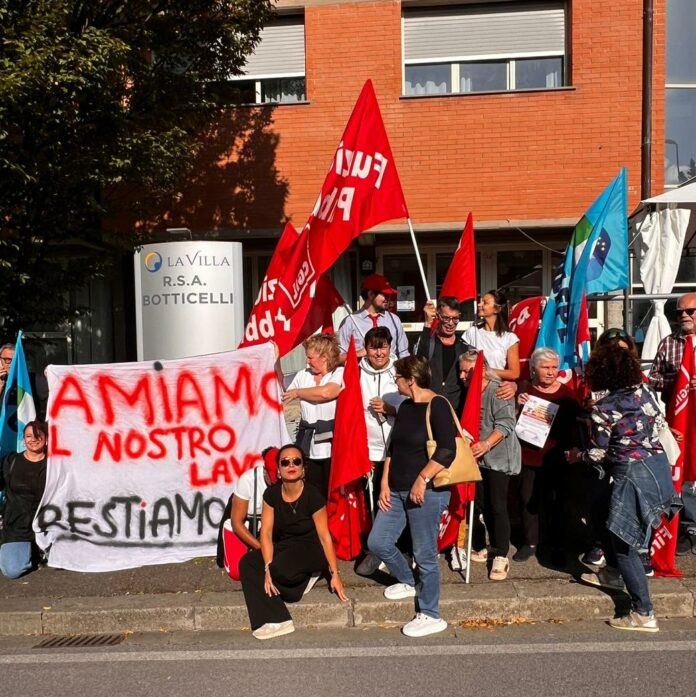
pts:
pixel 370 494
pixel 418 259
pixel 469 538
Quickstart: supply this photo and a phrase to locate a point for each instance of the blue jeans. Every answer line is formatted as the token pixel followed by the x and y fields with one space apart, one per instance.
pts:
pixel 424 524
pixel 15 559
pixel 633 574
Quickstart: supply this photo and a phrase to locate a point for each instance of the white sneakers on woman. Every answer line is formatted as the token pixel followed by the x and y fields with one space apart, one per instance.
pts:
pixel 270 630
pixel 399 591
pixel 423 625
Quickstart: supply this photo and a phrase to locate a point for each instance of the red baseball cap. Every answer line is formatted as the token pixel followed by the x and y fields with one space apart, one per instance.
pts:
pixel 379 284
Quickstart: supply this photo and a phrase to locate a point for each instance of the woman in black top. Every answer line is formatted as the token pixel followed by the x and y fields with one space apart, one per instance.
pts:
pixel 295 543
pixel 407 494
pixel 23 478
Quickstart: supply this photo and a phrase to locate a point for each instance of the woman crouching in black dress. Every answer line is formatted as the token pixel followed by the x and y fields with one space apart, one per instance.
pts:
pixel 295 544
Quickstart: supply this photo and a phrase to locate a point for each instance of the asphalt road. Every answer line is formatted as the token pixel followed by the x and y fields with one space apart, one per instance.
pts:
pixel 528 660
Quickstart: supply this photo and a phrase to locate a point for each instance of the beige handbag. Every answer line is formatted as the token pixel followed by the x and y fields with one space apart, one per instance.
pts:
pixel 464 468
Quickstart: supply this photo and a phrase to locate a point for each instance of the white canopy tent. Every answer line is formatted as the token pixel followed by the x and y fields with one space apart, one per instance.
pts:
pixel 661 225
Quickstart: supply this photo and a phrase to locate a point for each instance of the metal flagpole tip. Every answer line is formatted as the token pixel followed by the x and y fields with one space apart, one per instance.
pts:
pixel 157 366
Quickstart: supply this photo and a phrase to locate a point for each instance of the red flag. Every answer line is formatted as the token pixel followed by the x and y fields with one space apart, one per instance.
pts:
pixel 267 321
pixel 681 415
pixel 460 281
pixel 462 494
pixel 524 321
pixel 348 519
pixel 361 190
pixel 326 301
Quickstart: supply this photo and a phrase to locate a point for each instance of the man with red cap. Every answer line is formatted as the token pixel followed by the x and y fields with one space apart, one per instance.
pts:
pixel 376 293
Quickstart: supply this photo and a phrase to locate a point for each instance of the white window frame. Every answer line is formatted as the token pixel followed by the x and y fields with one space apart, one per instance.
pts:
pixel 260 78
pixel 509 57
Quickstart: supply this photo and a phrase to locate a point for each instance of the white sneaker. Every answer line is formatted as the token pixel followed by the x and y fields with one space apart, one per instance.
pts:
pixel 398 591
pixel 423 625
pixel 271 630
pixel 457 559
pixel 311 583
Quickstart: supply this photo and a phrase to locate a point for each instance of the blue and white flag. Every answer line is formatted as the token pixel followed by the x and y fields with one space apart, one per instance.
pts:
pixel 17 404
pixel 596 261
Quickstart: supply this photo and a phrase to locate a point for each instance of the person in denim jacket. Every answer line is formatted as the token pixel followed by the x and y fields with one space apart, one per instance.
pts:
pixel 624 442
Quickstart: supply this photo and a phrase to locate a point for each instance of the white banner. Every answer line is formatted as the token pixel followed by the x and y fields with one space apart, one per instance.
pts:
pixel 143 456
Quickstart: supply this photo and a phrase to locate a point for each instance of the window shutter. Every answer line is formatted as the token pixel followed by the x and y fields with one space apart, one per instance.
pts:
pixel 451 35
pixel 280 53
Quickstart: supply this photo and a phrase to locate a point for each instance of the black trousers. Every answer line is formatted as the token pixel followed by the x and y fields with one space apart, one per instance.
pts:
pixel 291 568
pixel 317 473
pixel 597 496
pixel 542 492
pixel 492 499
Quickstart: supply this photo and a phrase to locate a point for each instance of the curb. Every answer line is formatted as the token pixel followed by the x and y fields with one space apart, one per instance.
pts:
pixel 514 601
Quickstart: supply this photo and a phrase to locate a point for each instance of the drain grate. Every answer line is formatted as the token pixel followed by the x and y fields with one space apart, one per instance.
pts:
pixel 80 641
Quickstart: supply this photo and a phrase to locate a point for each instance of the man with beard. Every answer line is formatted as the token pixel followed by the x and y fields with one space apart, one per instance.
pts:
pixel 662 377
pixel 375 293
pixel 442 348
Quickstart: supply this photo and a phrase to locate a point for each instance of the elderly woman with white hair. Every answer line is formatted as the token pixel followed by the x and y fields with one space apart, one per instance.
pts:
pixel 543 481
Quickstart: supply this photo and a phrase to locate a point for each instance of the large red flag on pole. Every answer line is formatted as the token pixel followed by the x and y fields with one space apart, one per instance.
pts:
pixel 462 494
pixel 681 415
pixel 350 462
pixel 267 322
pixel 361 190
pixel 460 281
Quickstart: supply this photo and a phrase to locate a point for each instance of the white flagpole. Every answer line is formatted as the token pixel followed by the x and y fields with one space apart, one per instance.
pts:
pixel 370 495
pixel 418 259
pixel 469 537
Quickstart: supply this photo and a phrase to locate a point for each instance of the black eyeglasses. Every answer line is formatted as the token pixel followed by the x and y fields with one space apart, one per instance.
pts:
pixel 287 461
pixel 447 320
pixel 615 334
pixel 689 311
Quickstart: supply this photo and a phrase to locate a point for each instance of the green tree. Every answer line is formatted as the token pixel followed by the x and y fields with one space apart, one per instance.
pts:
pixel 104 106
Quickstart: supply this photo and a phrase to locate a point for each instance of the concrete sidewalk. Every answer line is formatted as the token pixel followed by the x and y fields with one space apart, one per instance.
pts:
pixel 199 596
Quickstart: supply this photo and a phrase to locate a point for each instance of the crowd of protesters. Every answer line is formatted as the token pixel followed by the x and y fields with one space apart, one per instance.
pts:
pixel 607 425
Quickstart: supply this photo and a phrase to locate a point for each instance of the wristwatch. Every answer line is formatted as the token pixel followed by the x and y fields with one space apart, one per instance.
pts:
pixel 425 479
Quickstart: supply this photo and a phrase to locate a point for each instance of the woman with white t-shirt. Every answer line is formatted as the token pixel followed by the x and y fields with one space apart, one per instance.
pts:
pixel 317 388
pixel 247 502
pixel 499 345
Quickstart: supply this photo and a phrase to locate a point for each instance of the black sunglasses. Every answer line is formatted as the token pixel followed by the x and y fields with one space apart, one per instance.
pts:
pixel 447 320
pixel 287 461
pixel 616 334
pixel 689 311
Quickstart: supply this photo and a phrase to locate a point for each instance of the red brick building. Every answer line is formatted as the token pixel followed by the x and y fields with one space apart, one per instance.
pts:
pixel 520 111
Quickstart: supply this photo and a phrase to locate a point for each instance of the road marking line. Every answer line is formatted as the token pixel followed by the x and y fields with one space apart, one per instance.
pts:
pixel 419 650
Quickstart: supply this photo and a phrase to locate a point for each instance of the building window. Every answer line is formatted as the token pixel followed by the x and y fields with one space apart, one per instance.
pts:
pixel 492 48
pixel 680 93
pixel 275 71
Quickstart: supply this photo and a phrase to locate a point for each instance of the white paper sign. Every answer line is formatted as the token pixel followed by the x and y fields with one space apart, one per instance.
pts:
pixel 405 298
pixel 143 456
pixel 535 421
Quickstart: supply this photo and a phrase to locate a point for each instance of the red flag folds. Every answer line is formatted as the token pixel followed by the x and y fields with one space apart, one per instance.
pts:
pixel 361 190
pixel 267 321
pixel 462 494
pixel 524 321
pixel 350 461
pixel 460 281
pixel 681 415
